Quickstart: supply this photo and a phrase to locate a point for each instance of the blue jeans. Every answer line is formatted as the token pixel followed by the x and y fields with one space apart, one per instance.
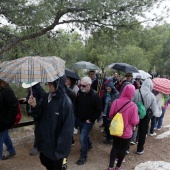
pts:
pixel 159 120
pixel 153 122
pixel 5 139
pixel 85 141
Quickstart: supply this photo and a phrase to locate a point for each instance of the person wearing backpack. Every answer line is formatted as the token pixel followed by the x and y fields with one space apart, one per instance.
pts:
pixel 130 117
pixel 149 101
pixel 9 110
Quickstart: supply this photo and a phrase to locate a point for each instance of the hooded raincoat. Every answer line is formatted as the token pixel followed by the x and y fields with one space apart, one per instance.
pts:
pixel 55 122
pixel 129 112
pixel 148 97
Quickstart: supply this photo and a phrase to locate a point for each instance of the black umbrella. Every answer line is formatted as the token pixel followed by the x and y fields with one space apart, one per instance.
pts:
pixel 127 68
pixel 71 74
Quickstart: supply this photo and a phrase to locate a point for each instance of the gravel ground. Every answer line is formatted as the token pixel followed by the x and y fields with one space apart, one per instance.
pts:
pixel 98 157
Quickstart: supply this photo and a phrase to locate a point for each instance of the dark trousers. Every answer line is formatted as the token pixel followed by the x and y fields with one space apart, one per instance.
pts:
pixel 107 131
pixel 118 151
pixel 153 121
pixel 35 134
pixel 142 129
pixel 51 164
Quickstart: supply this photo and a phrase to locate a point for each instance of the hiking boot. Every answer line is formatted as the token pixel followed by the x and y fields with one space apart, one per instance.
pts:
pixel 34 151
pixel 5 157
pixel 81 161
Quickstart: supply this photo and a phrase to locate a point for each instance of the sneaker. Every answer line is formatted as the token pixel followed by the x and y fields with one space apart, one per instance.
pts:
pixel 81 161
pixel 117 160
pixel 34 151
pixel 140 153
pixel 5 157
pixel 159 129
pixel 75 131
pixel 118 168
pixel 102 131
pixel 153 134
pixel 110 168
pixel 72 144
pixel 132 143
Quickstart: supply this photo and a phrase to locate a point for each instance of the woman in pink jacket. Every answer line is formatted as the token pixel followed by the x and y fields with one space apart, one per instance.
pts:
pixel 131 118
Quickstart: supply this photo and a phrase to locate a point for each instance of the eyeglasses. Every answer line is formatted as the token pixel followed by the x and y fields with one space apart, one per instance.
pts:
pixel 84 85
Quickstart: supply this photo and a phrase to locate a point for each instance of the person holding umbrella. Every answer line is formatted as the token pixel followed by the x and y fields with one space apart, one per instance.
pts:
pixel 55 124
pixel 38 92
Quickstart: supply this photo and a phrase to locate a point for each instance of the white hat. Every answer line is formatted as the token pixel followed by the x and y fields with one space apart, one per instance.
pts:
pixel 26 85
pixel 138 77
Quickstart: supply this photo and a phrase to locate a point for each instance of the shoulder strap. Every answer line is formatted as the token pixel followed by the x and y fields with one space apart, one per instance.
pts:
pixel 141 96
pixel 123 106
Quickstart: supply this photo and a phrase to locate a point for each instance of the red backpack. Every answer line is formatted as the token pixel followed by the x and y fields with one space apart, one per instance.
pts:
pixel 19 114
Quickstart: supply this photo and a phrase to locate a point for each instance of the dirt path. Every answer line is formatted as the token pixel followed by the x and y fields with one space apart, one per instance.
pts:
pixel 98 157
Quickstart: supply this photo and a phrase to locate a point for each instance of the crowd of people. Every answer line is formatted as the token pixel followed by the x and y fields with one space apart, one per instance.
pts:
pixel 71 107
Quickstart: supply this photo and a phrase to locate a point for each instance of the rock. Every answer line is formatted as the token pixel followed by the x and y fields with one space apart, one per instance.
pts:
pixel 153 165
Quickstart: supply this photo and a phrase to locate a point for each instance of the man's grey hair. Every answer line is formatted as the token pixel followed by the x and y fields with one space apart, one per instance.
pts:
pixel 86 80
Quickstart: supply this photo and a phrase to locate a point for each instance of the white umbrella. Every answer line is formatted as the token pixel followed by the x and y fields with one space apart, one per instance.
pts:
pixel 143 74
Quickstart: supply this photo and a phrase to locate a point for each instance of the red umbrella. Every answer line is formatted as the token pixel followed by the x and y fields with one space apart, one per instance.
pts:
pixel 161 85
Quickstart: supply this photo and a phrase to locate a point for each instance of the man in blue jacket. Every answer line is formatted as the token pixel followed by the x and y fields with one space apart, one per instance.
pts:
pixel 55 124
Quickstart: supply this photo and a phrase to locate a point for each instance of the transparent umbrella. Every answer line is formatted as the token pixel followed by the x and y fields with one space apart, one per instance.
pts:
pixel 85 65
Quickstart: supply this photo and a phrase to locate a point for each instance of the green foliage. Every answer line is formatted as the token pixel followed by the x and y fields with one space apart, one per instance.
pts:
pixel 32 19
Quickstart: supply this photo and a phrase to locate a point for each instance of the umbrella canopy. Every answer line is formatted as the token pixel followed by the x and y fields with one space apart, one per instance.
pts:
pixel 161 85
pixel 143 74
pixel 32 69
pixel 85 65
pixel 71 74
pixel 127 68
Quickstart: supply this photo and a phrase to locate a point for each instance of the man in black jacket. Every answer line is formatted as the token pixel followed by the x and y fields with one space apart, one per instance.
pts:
pixel 88 110
pixel 55 124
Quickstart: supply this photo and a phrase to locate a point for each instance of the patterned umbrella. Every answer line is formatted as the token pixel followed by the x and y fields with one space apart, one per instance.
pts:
pixel 161 85
pixel 32 69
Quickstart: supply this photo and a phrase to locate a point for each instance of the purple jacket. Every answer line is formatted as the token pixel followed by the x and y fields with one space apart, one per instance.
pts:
pixel 166 104
pixel 129 112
